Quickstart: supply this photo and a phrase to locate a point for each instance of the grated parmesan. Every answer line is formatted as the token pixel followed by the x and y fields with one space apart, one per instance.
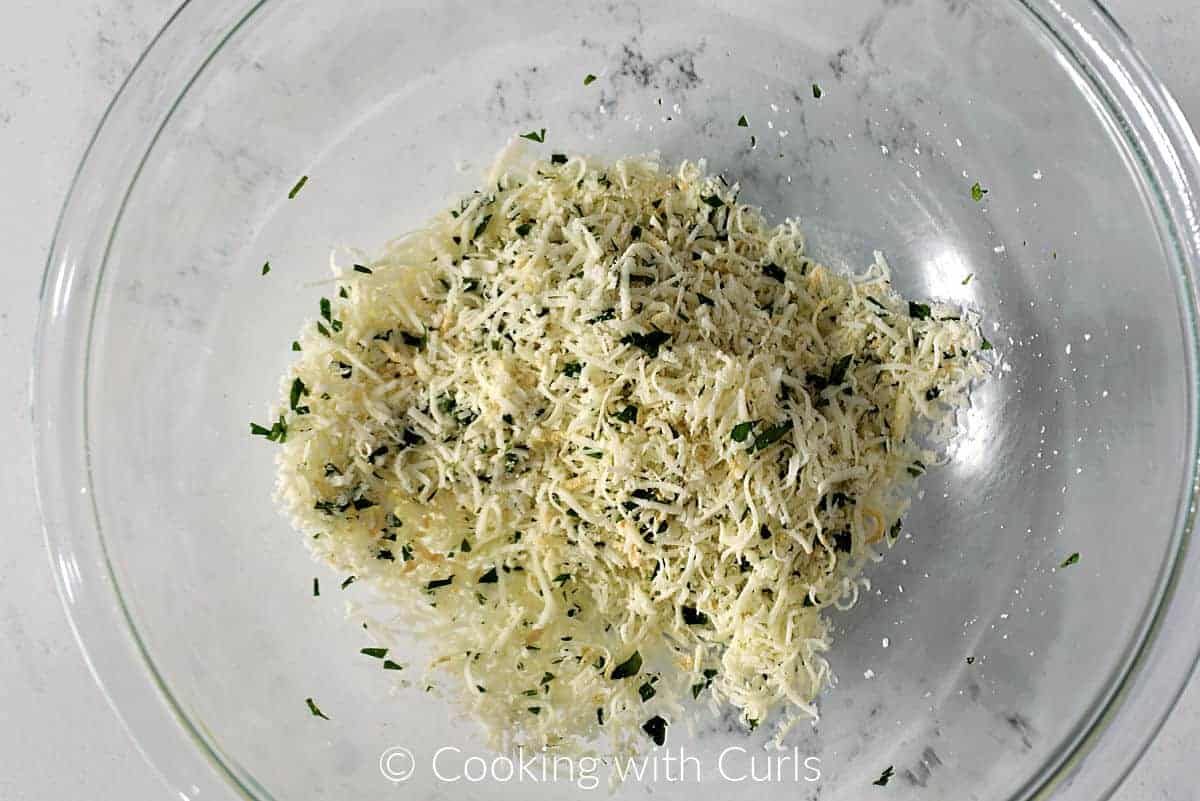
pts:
pixel 609 444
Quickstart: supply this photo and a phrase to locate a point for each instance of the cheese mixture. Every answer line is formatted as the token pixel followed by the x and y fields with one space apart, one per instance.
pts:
pixel 609 445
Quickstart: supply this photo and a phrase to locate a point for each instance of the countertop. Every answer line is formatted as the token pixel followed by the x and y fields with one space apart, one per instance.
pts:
pixel 61 62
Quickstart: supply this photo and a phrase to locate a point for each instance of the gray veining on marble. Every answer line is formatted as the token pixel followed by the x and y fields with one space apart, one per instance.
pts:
pixel 62 60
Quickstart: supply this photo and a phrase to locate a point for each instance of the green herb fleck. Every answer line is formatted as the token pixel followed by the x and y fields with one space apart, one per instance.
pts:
pixel 986 345
pixel 316 587
pixel 266 268
pixel 314 709
pixel 628 414
pixel 977 192
pixel 770 435
pixel 693 616
pixel 742 430
pixel 713 201
pixel 349 580
pixel 572 369
pixel 1073 559
pixel 630 667
pixel 535 136
pixel 390 665
pixel 704 300
pixel 483 224
pixel 656 729
pixel 589 79
pixel 918 311
pixel 412 341
pixel 885 777
pixel 524 228
pixel 558 158
pixel 816 89
pixel 295 346
pixel 362 268
pixel 374 653
pixel 298 390
pixel 837 375
pixel 276 433
pixel 437 583
pixel 647 691
pixel 647 343
pixel 709 675
pixel 775 271
pixel 299 185
pixel 743 122
pixel 967 280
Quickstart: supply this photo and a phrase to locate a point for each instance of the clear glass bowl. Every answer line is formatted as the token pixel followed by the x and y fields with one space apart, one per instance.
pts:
pixel 979 669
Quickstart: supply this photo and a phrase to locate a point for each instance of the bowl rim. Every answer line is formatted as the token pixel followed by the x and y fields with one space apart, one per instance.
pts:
pixel 185 756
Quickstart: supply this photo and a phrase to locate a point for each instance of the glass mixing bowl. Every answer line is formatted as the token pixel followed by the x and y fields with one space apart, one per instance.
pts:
pixel 977 669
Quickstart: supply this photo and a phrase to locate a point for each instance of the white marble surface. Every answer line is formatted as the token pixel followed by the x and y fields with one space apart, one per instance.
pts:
pixel 60 62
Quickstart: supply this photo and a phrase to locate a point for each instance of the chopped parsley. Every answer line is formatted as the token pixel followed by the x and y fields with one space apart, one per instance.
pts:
pixel 647 691
pixel 349 580
pixel 977 192
pixel 742 430
pixel 558 158
pixel 390 665
pixel 314 709
pixel 266 268
pixel 438 583
pixel 773 270
pixel 524 228
pixel 298 391
pixel 295 345
pixel 986 345
pixel 816 90
pixel 647 343
pixel 589 79
pixel 535 136
pixel 885 777
pixel 656 729
pixel 743 122
pixel 362 268
pixel 483 224
pixel 627 415
pixel 276 433
pixel 712 201
pixel 1073 559
pixel 693 616
pixel 299 185
pixel 967 280
pixel 770 435
pixel 572 369
pixel 918 311
pixel 630 667
pixel 709 674
pixel 837 374
pixel 374 653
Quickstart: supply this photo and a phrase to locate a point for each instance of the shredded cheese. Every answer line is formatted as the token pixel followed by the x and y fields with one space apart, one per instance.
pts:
pixel 609 444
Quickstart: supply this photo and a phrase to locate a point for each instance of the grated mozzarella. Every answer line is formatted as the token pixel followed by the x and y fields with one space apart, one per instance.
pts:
pixel 599 414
